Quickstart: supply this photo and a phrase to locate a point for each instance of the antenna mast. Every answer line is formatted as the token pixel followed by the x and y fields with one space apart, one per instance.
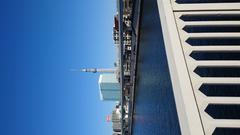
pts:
pixel 96 70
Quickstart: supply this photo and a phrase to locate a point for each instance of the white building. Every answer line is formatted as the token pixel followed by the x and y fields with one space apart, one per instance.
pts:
pixel 109 87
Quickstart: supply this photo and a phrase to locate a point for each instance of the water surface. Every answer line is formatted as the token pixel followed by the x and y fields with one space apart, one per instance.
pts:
pixel 155 110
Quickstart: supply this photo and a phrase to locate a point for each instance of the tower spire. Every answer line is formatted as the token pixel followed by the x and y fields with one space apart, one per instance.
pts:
pixel 96 70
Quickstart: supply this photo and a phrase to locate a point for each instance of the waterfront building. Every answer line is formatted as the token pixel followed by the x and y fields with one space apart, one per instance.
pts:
pixel 115 118
pixel 109 87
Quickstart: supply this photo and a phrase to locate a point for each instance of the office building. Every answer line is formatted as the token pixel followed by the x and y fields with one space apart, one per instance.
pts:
pixel 109 87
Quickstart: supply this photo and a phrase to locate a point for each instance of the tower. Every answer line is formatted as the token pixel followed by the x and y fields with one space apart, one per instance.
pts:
pixel 97 70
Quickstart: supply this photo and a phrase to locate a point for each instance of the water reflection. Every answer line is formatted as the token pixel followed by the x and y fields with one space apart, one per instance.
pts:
pixel 155 111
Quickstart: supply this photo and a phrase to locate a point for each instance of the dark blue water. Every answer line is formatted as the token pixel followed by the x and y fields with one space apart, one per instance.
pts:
pixel 155 110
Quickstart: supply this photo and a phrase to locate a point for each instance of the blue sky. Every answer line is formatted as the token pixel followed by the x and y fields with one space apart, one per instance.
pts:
pixel 40 40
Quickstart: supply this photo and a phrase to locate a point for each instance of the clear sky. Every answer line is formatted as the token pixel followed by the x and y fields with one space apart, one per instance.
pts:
pixel 40 40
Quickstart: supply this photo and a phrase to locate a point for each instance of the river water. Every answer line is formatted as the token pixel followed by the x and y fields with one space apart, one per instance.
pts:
pixel 155 110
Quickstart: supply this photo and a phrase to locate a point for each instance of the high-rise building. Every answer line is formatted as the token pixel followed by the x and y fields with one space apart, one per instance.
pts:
pixel 109 87
pixel 115 118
